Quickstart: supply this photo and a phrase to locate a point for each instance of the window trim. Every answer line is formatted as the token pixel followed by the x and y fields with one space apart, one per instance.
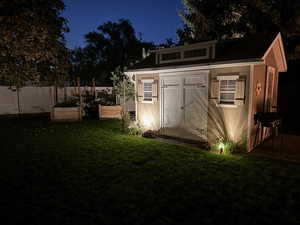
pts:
pixel 147 81
pixel 227 105
pixel 196 49
pixel 170 60
pixel 221 78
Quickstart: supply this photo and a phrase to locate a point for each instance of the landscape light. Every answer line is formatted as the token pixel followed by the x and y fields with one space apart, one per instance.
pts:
pixel 148 122
pixel 221 147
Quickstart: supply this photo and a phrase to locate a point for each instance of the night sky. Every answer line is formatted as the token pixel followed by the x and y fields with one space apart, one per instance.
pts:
pixel 155 19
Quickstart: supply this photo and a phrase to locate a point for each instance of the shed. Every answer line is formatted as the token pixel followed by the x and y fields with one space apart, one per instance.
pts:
pixel 210 91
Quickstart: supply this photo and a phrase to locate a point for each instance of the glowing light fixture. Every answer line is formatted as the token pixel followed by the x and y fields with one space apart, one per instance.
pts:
pixel 221 147
pixel 148 122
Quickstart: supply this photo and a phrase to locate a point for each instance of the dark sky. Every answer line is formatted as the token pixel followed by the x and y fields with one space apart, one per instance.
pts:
pixel 155 19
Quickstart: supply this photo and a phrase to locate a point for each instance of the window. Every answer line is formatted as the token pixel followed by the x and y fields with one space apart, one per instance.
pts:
pixel 147 91
pixel 171 56
pixel 195 53
pixel 227 91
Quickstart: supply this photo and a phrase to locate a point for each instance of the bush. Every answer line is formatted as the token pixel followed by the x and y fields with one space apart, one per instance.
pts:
pixel 228 146
pixel 105 98
pixel 70 103
pixel 224 146
pixel 134 129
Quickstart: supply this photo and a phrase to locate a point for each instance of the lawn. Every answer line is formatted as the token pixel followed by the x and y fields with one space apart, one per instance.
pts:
pixel 90 173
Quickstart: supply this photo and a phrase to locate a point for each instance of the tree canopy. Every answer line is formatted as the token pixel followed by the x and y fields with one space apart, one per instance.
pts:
pixel 113 45
pixel 32 46
pixel 215 19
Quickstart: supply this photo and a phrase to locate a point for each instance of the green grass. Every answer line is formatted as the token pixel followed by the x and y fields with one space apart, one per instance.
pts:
pixel 90 173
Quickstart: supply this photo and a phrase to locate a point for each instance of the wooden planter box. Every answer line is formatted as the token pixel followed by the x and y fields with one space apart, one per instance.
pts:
pixel 66 114
pixel 110 112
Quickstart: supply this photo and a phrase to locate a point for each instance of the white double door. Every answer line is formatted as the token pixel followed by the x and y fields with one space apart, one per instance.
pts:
pixel 184 103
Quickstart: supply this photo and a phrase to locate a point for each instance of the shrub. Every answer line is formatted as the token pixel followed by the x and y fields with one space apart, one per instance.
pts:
pixel 224 146
pixel 69 103
pixel 106 98
pixel 134 129
pixel 227 146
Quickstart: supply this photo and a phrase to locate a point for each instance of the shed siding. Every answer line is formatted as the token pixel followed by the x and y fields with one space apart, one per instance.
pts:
pixel 148 114
pixel 275 56
pixel 270 59
pixel 258 100
pixel 226 122
pixel 273 59
pixel 222 122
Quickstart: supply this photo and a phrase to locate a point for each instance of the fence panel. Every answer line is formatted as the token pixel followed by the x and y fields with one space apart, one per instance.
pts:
pixel 35 99
pixel 8 101
pixel 41 99
pixel 129 104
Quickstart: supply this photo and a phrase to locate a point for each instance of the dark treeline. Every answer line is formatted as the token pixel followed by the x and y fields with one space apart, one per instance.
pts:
pixel 114 45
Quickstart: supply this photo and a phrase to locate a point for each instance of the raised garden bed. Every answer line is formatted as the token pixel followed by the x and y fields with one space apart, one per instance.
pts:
pixel 66 113
pixel 110 112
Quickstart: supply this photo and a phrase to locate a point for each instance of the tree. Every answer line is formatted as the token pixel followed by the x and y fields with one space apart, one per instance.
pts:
pixel 113 45
pixel 123 87
pixel 86 65
pixel 169 43
pixel 32 46
pixel 185 34
pixel 214 19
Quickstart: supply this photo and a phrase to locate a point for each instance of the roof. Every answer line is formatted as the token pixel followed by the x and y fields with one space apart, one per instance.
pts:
pixel 253 47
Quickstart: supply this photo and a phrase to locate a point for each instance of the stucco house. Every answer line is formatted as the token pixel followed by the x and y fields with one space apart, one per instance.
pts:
pixel 209 90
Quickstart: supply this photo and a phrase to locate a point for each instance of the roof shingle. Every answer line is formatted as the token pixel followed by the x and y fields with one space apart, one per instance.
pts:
pixel 252 47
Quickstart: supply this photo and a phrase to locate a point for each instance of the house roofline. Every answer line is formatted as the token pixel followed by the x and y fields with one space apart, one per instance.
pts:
pixel 282 52
pixel 179 47
pixel 221 64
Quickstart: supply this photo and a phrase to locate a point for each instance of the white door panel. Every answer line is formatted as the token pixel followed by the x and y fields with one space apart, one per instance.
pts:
pixel 195 110
pixel 172 111
pixel 185 104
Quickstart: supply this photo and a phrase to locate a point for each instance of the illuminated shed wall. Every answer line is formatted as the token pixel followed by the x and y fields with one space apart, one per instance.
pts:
pixel 222 121
pixel 229 122
pixel 148 114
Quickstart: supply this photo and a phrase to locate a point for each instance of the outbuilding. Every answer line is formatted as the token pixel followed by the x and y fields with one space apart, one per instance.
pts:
pixel 210 91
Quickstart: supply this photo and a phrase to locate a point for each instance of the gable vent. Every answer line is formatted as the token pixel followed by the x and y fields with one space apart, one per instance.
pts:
pixel 199 51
